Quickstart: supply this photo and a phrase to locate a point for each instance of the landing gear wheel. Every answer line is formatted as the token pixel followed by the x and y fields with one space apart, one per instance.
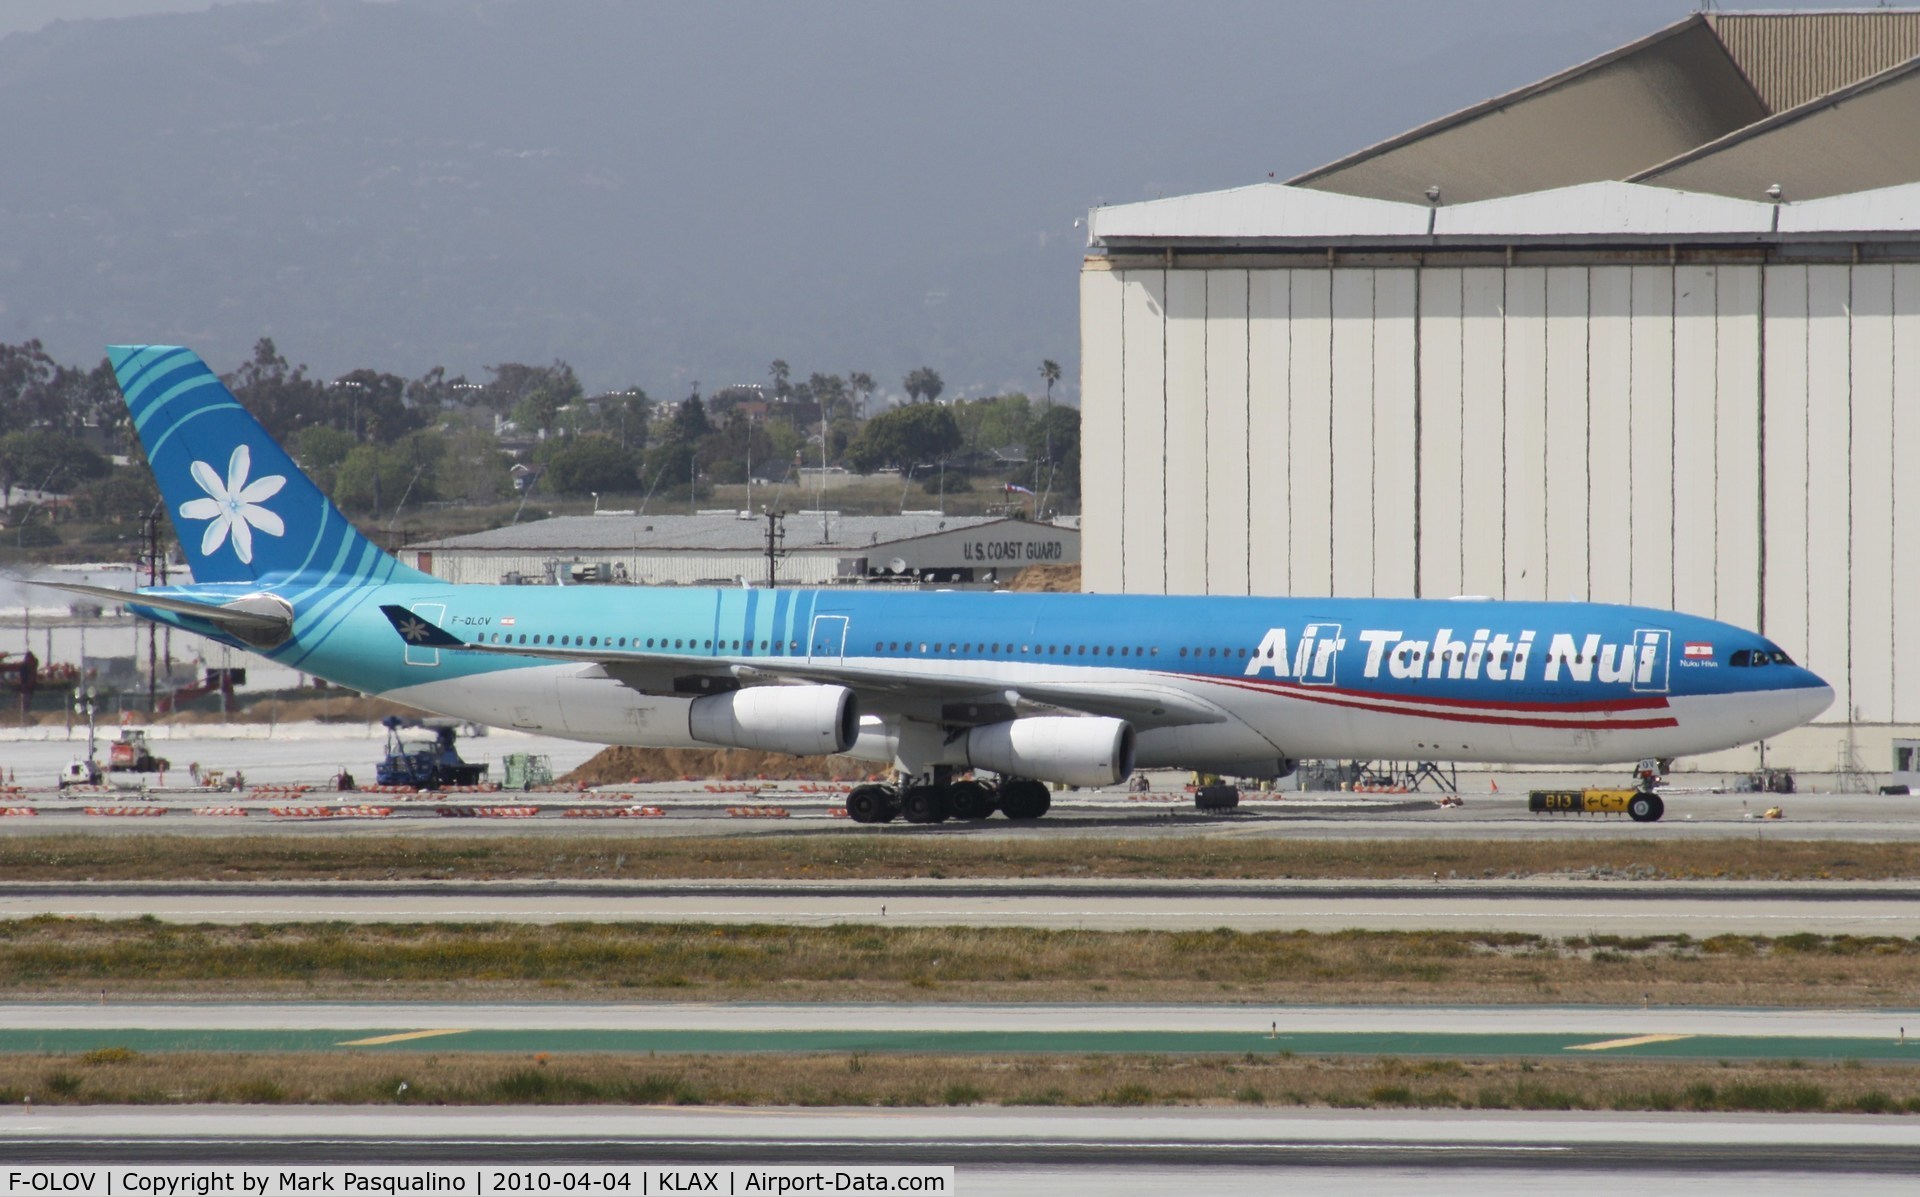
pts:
pixel 924 804
pixel 1024 799
pixel 870 804
pixel 1646 808
pixel 969 800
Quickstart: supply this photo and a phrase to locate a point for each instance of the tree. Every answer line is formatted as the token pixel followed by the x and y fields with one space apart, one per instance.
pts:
pixel 1053 448
pixel 45 460
pixel 905 437
pixel 589 464
pixel 923 383
pixel 533 394
pixel 829 391
pixel 623 415
pixel 781 373
pixel 124 496
pixel 321 451
pixel 861 384
pixel 998 422
pixel 377 478
pixel 1049 374
pixel 281 396
pixel 28 397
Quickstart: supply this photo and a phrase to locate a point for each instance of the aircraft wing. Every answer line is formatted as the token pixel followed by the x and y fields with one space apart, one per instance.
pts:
pixel 949 699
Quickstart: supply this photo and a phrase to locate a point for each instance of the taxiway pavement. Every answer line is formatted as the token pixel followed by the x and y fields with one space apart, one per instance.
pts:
pixel 1005 1150
pixel 1573 907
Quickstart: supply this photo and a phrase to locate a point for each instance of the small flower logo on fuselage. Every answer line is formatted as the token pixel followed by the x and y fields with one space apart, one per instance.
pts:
pixel 233 506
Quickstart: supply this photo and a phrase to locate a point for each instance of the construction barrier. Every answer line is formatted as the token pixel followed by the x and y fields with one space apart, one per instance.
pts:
pixel 126 810
pixel 240 811
pixel 17 810
pixel 489 812
pixel 613 812
pixel 836 812
pixel 825 787
pixel 280 789
pixel 389 789
pixel 737 788
pixel 1379 790
pixel 332 812
pixel 758 812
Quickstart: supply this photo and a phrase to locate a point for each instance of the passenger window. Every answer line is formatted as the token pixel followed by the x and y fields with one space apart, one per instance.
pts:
pixel 1123 650
pixel 1183 650
pixel 1109 650
pixel 593 642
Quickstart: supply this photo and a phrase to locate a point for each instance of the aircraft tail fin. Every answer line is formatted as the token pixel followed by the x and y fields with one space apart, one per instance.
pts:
pixel 240 506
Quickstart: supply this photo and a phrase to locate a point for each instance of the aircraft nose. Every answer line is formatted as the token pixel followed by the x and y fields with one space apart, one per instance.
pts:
pixel 1812 698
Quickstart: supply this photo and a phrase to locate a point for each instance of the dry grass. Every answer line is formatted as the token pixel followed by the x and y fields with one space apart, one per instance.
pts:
pixel 118 1076
pixel 56 957
pixel 618 766
pixel 857 854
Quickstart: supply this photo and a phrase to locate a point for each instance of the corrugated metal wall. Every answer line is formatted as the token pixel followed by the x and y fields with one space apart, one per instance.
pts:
pixel 1593 432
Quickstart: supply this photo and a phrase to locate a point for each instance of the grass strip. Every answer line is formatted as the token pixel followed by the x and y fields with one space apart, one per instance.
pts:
pixel 876 853
pixel 51 956
pixel 120 1076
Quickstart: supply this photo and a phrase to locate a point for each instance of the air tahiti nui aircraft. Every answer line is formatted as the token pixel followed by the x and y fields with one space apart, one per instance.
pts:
pixel 1029 688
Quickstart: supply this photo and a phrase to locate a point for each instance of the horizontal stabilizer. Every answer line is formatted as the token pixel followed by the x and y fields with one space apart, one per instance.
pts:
pixel 257 619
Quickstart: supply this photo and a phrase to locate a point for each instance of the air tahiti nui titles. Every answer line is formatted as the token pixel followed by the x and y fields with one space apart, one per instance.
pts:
pixel 1497 656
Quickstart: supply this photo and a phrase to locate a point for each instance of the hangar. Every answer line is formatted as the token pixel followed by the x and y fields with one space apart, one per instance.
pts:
pixel 723 548
pixel 1646 331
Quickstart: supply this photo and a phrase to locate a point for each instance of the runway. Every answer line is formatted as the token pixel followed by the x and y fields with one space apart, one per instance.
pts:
pixel 1019 1150
pixel 1478 1032
pixel 1572 907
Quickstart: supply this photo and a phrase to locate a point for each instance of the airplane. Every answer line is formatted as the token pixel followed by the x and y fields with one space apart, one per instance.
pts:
pixel 1076 689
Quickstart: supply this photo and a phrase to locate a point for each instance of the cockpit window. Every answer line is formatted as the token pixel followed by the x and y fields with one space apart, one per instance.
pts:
pixel 1741 657
pixel 1780 658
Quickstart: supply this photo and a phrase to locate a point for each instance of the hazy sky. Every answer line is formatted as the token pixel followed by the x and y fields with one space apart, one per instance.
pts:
pixel 665 191
pixel 20 16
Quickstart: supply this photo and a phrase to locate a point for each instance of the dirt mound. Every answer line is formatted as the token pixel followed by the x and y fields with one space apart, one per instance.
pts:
pixel 1051 579
pixel 612 766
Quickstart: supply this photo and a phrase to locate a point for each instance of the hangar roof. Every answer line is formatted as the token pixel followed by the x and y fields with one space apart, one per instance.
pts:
pixel 1281 216
pixel 1701 105
pixel 710 533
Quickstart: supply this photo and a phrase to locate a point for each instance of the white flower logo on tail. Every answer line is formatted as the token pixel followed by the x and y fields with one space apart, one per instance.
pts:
pixel 233 507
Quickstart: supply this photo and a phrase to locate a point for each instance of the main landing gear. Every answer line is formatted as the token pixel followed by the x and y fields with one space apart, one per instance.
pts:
pixel 935 800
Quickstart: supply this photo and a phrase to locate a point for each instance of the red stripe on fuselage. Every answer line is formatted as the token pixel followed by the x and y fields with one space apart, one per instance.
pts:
pixel 1640 702
pixel 1343 698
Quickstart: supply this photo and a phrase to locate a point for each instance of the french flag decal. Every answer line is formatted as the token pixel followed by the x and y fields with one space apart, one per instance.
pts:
pixel 1699 650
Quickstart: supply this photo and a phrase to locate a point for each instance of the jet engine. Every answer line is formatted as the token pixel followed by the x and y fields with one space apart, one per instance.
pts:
pixel 1090 751
pixel 802 720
